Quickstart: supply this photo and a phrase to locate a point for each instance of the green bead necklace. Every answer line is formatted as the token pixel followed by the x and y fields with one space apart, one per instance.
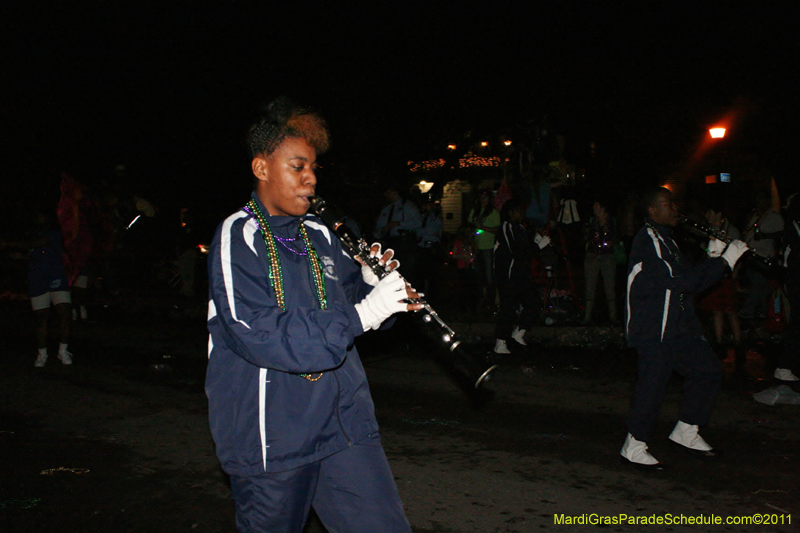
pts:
pixel 275 271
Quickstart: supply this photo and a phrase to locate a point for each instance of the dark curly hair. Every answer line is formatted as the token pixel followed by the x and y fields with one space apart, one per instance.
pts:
pixel 282 118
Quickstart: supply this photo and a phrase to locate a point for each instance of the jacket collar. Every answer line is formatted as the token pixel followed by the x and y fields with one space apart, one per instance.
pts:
pixel 277 222
pixel 665 231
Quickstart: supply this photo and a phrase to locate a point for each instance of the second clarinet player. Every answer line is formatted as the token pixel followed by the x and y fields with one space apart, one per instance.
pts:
pixel 661 324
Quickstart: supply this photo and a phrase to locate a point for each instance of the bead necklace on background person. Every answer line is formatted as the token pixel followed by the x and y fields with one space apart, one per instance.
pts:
pixel 601 238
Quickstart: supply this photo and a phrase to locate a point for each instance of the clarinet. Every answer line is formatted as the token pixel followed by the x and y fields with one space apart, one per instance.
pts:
pixel 721 235
pixel 471 364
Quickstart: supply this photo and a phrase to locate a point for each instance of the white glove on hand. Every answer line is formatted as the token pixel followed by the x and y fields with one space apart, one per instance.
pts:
pixel 383 301
pixel 366 272
pixel 368 275
pixel 715 248
pixel 541 240
pixel 734 252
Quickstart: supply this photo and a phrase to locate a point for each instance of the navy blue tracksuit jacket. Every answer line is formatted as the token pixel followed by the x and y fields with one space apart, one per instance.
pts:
pixel 264 416
pixel 662 282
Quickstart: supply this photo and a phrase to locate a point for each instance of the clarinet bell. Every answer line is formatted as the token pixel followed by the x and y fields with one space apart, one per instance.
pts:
pixel 475 367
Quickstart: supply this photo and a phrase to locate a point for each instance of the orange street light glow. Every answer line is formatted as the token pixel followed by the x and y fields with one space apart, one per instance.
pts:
pixel 484 143
pixel 717 133
pixel 451 146
pixel 507 143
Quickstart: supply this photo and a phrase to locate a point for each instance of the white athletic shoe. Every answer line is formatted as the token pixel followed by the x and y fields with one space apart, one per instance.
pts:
pixel 784 374
pixel 41 359
pixel 519 336
pixel 687 435
pixel 65 358
pixel 501 347
pixel 635 452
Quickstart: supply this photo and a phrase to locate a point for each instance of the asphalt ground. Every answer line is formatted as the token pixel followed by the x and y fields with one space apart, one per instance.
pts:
pixel 120 442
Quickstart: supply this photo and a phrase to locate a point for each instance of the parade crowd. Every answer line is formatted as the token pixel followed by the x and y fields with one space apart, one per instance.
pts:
pixel 513 242
pixel 522 254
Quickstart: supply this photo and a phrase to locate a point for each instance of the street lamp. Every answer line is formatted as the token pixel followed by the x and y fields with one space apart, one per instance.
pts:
pixel 424 186
pixel 718 132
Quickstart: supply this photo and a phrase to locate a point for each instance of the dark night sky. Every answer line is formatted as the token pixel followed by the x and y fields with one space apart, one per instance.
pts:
pixel 169 89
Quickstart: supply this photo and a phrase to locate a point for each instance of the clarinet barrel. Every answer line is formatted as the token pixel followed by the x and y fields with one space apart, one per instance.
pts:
pixel 474 366
pixel 724 237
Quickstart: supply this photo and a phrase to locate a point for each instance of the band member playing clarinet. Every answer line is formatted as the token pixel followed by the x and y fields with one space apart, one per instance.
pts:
pixel 661 324
pixel 289 405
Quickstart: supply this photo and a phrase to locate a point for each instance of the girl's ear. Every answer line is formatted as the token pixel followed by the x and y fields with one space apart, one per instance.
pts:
pixel 260 168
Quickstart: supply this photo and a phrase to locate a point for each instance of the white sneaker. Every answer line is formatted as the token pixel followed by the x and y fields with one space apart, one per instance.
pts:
pixel 635 451
pixel 501 347
pixel 688 436
pixel 784 374
pixel 65 358
pixel 41 359
pixel 519 336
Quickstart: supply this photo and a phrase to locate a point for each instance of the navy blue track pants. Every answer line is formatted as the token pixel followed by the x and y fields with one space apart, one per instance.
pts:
pixel 352 491
pixel 691 357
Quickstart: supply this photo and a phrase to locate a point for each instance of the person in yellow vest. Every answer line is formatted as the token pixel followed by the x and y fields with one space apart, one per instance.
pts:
pixel 485 219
